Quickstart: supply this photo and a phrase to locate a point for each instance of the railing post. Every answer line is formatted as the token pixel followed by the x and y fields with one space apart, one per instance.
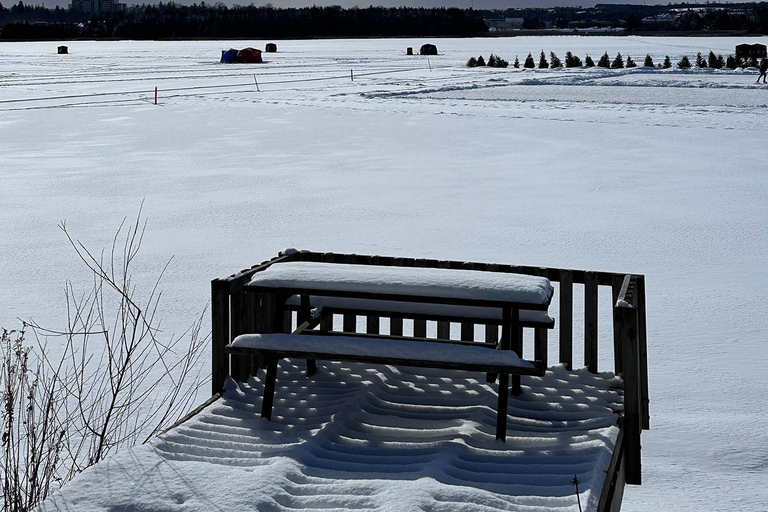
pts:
pixel 219 334
pixel 625 318
pixel 642 338
pixel 616 282
pixel 566 318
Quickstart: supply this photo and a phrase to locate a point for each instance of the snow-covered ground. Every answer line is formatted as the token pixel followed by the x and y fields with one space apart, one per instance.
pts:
pixel 648 171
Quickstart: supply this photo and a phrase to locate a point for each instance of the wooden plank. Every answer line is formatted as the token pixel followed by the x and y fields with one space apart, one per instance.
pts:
pixel 443 326
pixel 419 328
pixel 566 318
pixel 372 324
pixel 505 341
pixel 420 325
pixel 396 326
pixel 590 321
pixel 526 321
pixel 540 345
pixel 238 320
pixel 616 284
pixel 426 299
pixel 626 320
pixel 401 337
pixel 492 334
pixel 269 388
pixel 443 330
pixel 220 337
pixel 642 336
pixel 501 408
pixel 516 345
pixel 536 370
pixel 326 324
pixel 467 331
pixel 349 323
pixel 613 485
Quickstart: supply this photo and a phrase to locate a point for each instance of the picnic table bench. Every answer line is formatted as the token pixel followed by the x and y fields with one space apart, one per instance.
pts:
pixel 420 354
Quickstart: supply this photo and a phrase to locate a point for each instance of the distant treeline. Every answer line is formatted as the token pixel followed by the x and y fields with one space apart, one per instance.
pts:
pixel 170 20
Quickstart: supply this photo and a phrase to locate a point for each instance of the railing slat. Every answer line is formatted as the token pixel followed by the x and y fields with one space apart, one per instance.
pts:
pixel 467 331
pixel 616 282
pixel 443 330
pixel 349 324
pixel 372 324
pixel 541 344
pixel 566 318
pixel 491 334
pixel 590 321
pixel 396 326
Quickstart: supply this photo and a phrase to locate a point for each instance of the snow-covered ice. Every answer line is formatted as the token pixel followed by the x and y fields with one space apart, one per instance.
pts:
pixel 648 171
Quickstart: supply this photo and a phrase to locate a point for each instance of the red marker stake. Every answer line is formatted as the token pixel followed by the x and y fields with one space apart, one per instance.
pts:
pixel 351 76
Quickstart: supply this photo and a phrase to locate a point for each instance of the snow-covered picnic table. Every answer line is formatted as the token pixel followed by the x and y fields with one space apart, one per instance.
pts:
pixel 512 298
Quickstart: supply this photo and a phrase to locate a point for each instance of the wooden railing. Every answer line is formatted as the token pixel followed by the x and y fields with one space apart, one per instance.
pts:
pixel 234 312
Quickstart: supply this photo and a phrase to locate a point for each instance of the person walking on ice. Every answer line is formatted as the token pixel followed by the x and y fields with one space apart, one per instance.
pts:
pixel 763 70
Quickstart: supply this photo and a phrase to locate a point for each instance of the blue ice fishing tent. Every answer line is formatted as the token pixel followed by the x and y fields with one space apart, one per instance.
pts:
pixel 228 56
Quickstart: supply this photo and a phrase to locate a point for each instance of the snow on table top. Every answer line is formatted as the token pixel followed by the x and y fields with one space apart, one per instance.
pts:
pixel 420 308
pixel 385 348
pixel 377 438
pixel 412 281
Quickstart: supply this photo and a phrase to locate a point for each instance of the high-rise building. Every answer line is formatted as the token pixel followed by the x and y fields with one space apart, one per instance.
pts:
pixel 96 7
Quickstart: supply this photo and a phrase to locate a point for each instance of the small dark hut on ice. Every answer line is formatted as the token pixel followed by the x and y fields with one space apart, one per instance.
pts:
pixel 428 49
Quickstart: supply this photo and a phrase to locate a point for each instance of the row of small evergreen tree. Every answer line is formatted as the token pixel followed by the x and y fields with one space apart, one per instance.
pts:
pixel 573 61
pixel 494 61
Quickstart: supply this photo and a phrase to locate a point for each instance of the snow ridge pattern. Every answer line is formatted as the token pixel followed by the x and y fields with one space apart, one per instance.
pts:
pixel 373 438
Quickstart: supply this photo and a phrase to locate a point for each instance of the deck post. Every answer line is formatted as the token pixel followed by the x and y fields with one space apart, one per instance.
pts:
pixel 625 317
pixel 642 338
pixel 566 318
pixel 219 334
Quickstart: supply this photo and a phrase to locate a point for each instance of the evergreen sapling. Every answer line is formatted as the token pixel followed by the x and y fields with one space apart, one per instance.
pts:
pixel 543 64
pixel 684 63
pixel 648 61
pixel 604 62
pixel 529 64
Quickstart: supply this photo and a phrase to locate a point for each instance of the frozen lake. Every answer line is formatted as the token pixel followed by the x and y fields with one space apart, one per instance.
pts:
pixel 660 172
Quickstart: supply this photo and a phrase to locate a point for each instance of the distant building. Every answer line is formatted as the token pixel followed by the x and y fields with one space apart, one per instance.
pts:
pixel 96 7
pixel 750 51
pixel 501 24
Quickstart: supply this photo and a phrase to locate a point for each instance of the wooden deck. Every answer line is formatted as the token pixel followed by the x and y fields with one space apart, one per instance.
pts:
pixel 236 312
